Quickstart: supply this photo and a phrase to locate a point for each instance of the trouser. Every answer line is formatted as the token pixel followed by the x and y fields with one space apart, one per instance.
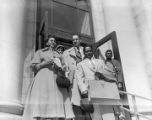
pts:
pixel 118 111
pixel 80 114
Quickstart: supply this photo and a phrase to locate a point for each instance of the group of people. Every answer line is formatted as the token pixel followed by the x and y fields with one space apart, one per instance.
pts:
pixel 48 101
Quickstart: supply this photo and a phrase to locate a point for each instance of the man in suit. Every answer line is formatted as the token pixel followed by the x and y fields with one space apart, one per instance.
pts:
pixel 87 71
pixel 70 59
pixel 114 68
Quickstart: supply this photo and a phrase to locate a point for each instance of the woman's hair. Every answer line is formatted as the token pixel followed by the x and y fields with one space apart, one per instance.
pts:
pixel 60 46
pixel 50 36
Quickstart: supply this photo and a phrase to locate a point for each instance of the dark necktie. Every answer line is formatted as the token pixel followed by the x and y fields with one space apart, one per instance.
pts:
pixel 78 56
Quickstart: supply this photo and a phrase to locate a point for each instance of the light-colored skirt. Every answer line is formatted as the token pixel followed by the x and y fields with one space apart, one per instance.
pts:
pixel 45 99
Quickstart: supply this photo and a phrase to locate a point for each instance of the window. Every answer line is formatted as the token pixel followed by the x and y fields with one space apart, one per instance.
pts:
pixel 70 19
pixel 67 17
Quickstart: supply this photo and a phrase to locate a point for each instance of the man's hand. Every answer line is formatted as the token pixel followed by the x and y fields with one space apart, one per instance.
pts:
pixel 99 76
pixel 84 94
pixel 120 85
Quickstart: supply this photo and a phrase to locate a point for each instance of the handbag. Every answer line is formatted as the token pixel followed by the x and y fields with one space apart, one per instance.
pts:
pixel 61 80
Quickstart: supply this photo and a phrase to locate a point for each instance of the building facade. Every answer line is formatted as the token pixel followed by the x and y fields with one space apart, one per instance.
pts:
pixel 23 25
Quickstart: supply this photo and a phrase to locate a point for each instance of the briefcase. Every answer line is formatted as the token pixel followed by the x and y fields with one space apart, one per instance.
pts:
pixel 103 92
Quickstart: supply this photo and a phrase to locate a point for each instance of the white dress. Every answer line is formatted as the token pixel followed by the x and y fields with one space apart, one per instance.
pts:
pixel 45 99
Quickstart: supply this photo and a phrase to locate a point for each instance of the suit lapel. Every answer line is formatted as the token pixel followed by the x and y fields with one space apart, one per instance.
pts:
pixel 72 52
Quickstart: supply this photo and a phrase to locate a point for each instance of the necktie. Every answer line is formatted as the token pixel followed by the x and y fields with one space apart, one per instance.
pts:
pixel 92 63
pixel 78 56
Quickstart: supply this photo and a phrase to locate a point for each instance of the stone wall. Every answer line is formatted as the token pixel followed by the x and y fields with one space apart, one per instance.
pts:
pixel 142 12
pixel 30 45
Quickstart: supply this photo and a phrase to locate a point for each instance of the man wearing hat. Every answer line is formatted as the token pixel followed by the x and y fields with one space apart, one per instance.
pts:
pixel 60 49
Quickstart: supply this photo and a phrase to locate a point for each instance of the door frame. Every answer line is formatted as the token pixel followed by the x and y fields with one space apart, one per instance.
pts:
pixel 113 37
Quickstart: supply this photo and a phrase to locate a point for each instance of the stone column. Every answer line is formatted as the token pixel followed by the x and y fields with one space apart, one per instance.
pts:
pixel 98 19
pixel 99 23
pixel 12 45
pixel 142 12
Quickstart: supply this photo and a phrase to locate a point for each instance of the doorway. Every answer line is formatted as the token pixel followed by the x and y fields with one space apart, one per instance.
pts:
pixel 111 39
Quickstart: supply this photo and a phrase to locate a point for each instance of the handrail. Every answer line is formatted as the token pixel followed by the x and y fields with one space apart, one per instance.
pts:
pixel 136 113
pixel 135 95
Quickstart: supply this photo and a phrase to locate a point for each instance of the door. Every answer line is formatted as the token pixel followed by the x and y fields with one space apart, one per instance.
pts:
pixel 99 48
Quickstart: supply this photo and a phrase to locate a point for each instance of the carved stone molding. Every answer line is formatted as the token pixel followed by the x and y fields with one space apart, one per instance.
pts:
pixel 12 108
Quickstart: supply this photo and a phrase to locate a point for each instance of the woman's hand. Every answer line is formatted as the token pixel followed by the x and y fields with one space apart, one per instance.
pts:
pixel 50 62
pixel 43 64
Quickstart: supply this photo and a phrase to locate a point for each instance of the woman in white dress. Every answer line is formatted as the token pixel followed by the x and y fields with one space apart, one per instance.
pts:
pixel 45 100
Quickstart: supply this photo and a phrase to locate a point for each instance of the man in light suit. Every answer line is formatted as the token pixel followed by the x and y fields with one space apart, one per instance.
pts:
pixel 86 71
pixel 70 59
